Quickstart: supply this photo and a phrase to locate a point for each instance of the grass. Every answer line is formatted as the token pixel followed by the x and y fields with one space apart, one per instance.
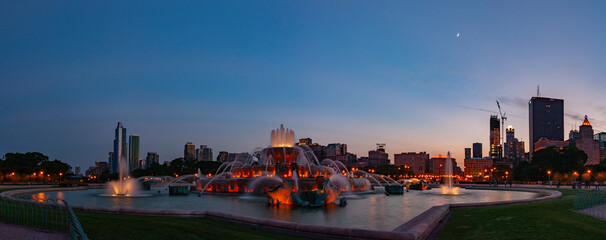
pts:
pixel 543 220
pixel 111 226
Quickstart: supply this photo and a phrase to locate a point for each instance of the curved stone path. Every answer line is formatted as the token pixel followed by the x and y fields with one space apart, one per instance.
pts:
pixel 9 231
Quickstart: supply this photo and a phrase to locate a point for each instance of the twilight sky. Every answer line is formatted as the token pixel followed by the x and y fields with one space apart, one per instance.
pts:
pixel 225 73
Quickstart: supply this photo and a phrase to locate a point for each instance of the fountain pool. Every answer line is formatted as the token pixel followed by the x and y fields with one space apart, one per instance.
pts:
pixel 374 211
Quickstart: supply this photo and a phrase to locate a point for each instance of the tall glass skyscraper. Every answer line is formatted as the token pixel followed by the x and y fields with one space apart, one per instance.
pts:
pixel 119 149
pixel 546 117
pixel 496 151
pixel 133 152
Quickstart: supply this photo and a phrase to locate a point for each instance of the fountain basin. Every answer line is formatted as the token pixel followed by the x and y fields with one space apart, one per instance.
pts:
pixel 363 211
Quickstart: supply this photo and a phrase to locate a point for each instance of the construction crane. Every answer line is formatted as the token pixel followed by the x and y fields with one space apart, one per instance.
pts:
pixel 503 118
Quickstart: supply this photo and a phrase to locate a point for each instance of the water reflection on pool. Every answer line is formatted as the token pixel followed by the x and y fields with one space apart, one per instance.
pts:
pixel 367 211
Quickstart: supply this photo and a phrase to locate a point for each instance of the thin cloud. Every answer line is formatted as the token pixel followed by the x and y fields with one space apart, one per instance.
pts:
pixel 517 102
pixel 478 109
pixel 490 111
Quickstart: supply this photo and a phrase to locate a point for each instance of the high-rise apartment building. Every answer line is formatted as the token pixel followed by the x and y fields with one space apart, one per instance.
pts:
pixel 546 117
pixel 204 153
pixel 133 151
pixel 514 149
pixel 495 137
pixel 120 149
pixel 477 150
pixel 189 153
pixel 152 157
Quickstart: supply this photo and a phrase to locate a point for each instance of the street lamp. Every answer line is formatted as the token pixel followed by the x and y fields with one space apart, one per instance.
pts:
pixel 549 177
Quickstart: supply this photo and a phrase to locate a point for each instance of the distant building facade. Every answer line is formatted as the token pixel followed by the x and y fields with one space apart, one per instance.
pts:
pixel 514 149
pixel 438 163
pixel 587 143
pixel 418 162
pixel 204 153
pixel 120 149
pixel 475 166
pixel 189 153
pixel 546 117
pixel 222 157
pixel 601 137
pixel 335 149
pixel 319 151
pixel 152 157
pixel 305 141
pixel 467 153
pixel 477 150
pixel 133 151
pixel 378 157
pixel 495 137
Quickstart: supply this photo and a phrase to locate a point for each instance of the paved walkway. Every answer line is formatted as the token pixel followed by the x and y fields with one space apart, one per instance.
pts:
pixel 11 232
pixel 597 211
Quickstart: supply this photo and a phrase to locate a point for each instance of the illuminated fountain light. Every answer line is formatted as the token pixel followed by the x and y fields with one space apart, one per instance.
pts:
pixel 447 188
pixel 282 163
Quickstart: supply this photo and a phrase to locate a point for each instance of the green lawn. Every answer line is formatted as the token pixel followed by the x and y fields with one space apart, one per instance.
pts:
pixel 544 220
pixel 112 226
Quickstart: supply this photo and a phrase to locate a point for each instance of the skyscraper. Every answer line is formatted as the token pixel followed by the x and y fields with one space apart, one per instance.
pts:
pixel 495 137
pixel 189 153
pixel 546 117
pixel 120 149
pixel 110 157
pixel 587 143
pixel 514 149
pixel 204 153
pixel 477 150
pixel 152 157
pixel 133 152
pixel 467 153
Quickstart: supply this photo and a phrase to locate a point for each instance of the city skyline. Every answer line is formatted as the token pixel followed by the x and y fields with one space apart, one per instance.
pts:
pixel 224 75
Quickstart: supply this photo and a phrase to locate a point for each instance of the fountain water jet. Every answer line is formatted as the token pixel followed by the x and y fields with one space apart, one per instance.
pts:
pixel 296 165
pixel 447 188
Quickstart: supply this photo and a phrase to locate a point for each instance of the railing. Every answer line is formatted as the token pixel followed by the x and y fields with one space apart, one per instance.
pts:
pixel 583 200
pixel 49 214
pixel 75 229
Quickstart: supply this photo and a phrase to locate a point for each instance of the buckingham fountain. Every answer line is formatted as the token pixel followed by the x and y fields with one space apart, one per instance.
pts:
pixel 286 173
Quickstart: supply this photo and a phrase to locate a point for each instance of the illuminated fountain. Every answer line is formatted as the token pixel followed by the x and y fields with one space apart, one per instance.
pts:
pixel 124 186
pixel 447 188
pixel 281 169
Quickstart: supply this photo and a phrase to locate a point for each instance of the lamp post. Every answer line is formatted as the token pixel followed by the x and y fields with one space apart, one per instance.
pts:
pixel 549 177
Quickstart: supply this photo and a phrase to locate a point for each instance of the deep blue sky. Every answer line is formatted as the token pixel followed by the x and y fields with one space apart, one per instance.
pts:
pixel 224 73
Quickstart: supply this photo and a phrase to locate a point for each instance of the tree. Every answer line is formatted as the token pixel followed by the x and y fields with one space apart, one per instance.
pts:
pixel 25 163
pixel 566 160
pixel 54 167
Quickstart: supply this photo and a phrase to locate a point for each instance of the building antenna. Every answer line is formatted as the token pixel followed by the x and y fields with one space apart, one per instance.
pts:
pixel 538 91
